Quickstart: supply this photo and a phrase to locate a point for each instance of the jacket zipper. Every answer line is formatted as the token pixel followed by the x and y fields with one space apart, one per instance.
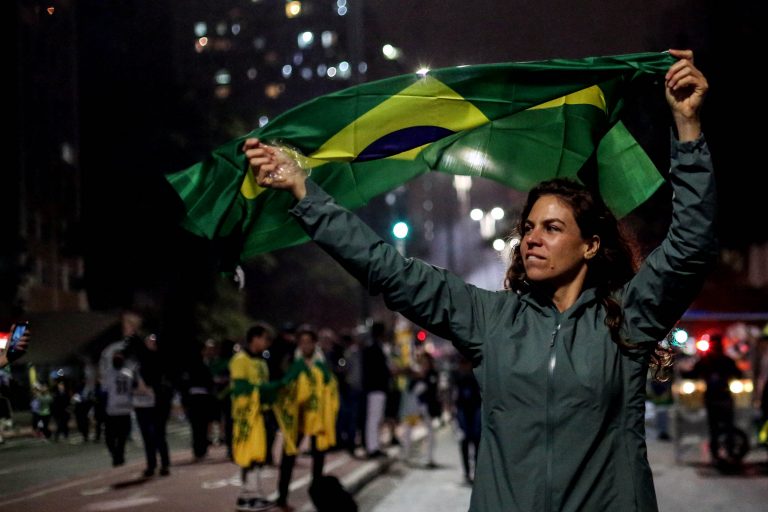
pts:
pixel 550 397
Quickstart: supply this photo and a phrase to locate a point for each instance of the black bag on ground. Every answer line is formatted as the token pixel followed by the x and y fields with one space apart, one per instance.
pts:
pixel 328 495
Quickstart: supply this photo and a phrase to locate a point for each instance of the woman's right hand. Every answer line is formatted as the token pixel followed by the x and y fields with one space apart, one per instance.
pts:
pixel 273 168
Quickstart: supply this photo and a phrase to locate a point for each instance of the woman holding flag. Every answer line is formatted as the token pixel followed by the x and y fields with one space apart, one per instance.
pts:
pixel 562 354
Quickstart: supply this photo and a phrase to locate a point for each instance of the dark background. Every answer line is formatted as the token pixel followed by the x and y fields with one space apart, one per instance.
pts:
pixel 137 116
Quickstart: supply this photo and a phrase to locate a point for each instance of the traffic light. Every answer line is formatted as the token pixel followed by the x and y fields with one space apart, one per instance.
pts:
pixel 400 230
pixel 702 344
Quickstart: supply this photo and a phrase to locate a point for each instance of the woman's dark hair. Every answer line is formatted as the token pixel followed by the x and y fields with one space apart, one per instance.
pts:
pixel 607 271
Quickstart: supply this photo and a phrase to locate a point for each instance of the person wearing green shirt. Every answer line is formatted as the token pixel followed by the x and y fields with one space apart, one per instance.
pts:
pixel 562 354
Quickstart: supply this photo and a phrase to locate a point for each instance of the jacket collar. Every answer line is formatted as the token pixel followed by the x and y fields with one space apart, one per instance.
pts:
pixel 544 304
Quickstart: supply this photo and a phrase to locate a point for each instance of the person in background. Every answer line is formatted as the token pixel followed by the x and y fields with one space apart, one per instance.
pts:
pixel 247 371
pixel 99 409
pixel 221 391
pixel 351 392
pixel 118 384
pixel 423 405
pixel 60 410
pixel 279 358
pixel 377 382
pixel 199 401
pixel 152 405
pixel 42 405
pixel 562 353
pixel 307 406
pixel 717 369
pixel 466 403
pixel 83 401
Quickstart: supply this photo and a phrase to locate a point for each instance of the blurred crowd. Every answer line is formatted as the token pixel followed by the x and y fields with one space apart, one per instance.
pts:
pixel 376 387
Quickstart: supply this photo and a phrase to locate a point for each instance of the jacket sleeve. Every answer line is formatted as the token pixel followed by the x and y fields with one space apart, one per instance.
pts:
pixel 672 275
pixel 427 295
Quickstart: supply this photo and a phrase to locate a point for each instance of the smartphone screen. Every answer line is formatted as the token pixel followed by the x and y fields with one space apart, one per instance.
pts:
pixel 3 341
pixel 18 332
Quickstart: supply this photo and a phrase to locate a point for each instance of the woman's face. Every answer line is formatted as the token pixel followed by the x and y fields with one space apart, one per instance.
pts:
pixel 552 248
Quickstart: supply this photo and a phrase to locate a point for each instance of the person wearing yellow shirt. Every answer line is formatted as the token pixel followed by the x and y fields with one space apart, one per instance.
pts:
pixel 306 406
pixel 248 370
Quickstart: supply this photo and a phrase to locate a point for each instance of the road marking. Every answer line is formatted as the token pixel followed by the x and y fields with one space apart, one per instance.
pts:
pixel 50 490
pixel 124 503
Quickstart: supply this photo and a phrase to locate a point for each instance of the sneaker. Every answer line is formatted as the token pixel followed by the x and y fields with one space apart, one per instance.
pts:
pixel 255 504
pixel 149 472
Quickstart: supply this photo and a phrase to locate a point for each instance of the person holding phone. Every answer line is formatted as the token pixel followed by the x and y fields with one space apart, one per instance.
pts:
pixel 15 345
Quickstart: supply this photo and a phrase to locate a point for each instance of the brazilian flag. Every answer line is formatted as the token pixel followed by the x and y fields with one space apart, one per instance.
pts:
pixel 516 123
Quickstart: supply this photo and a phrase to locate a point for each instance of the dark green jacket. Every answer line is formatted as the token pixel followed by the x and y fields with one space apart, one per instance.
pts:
pixel 563 405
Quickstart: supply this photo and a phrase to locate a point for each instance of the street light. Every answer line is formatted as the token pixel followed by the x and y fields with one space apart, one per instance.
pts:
pixel 400 230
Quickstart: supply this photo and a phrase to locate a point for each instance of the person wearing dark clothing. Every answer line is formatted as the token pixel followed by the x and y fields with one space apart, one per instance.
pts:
pixel 351 391
pixel 467 405
pixel 279 357
pixel 561 355
pixel 152 405
pixel 221 382
pixel 377 380
pixel 99 410
pixel 199 404
pixel 60 410
pixel 717 369
pixel 83 400
pixel 422 405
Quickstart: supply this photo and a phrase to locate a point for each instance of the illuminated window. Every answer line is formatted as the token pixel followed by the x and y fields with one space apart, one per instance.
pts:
pixel 328 38
pixel 252 73
pixel 331 72
pixel 345 70
pixel 306 73
pixel 201 28
pixel 306 39
pixel 259 43
pixel 273 91
pixel 390 52
pixel 321 69
pixel 287 70
pixel 292 9
pixel 298 58
pixel 222 77
pixel 235 29
pixel 263 120
pixel 221 28
pixel 362 68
